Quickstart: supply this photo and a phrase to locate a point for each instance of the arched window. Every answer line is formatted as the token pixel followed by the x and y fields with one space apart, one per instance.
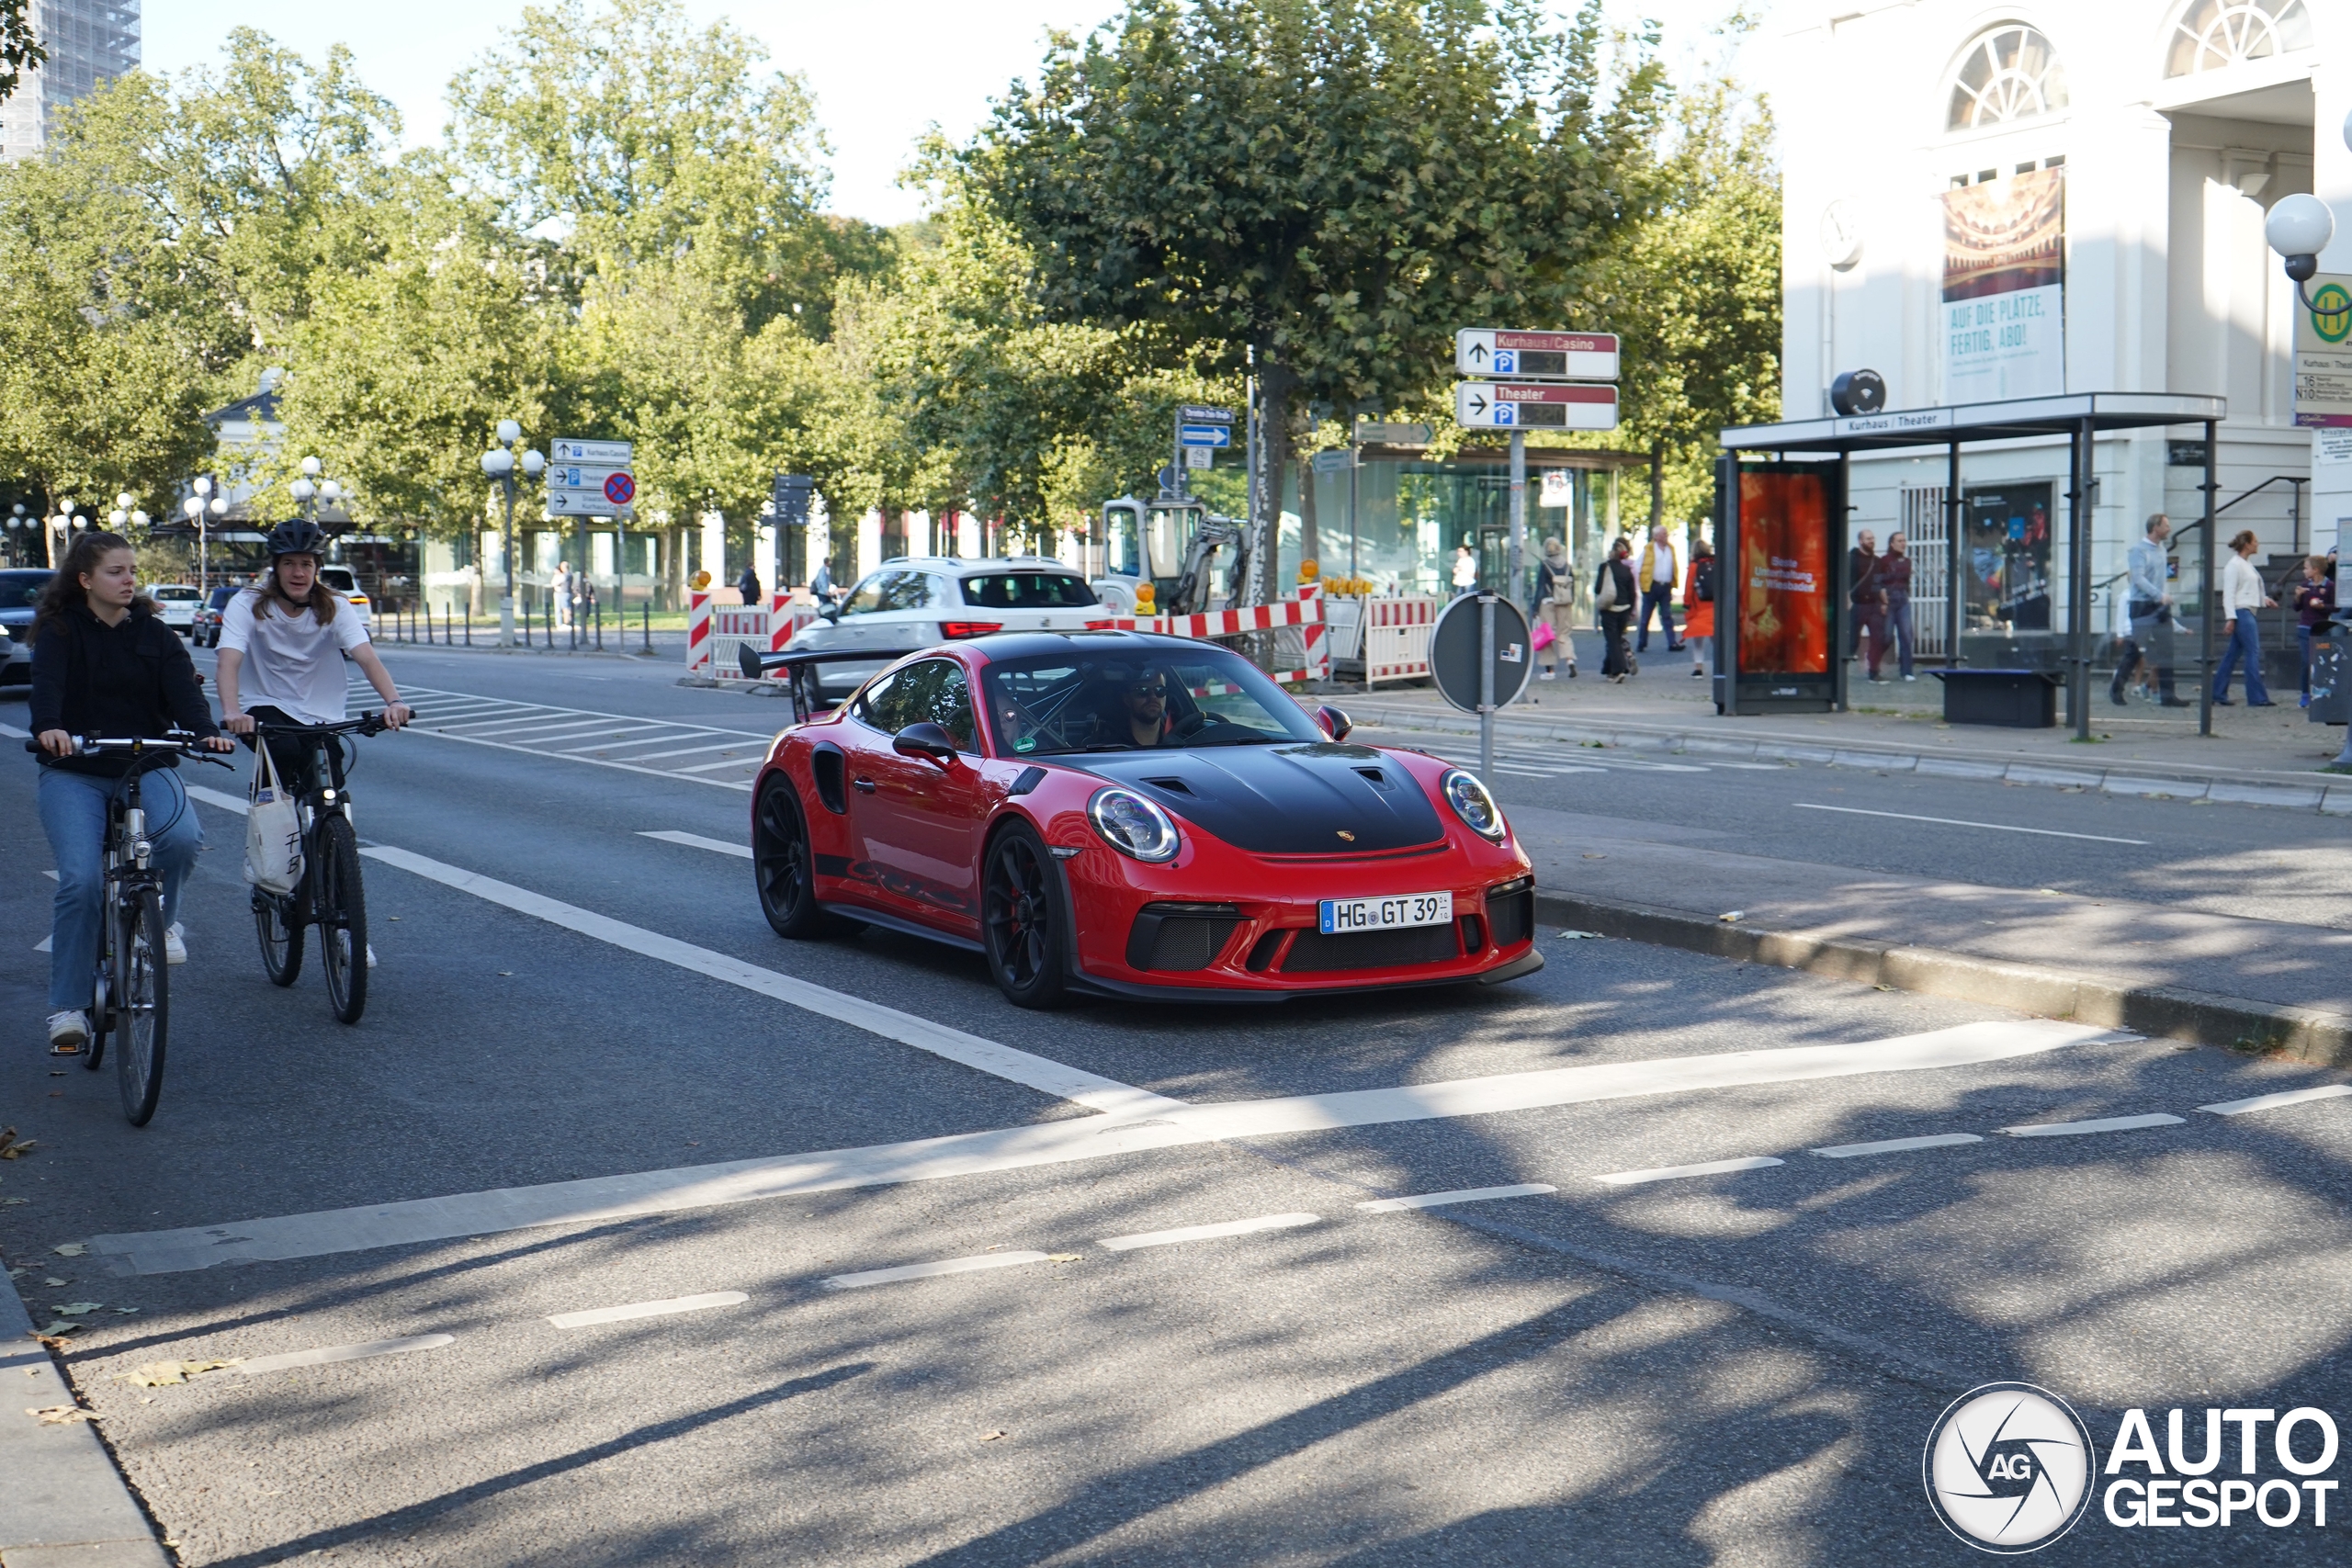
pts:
pixel 2007 73
pixel 2210 35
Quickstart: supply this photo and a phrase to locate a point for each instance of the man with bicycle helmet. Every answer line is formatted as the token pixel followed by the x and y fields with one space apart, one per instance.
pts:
pixel 282 645
pixel 106 666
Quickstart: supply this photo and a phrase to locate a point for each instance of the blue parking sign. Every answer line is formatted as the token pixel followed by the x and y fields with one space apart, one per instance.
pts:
pixel 1506 362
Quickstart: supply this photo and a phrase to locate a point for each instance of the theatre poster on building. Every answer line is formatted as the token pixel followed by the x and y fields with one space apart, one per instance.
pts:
pixel 2005 288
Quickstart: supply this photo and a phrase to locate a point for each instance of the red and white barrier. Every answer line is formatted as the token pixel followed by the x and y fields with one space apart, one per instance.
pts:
pixel 1397 638
pixel 730 628
pixel 1304 612
pixel 698 634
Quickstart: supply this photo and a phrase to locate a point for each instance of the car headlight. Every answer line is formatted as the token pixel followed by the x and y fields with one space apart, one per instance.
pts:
pixel 1473 803
pixel 1133 825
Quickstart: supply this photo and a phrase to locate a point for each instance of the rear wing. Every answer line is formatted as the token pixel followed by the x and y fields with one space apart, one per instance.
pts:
pixel 799 669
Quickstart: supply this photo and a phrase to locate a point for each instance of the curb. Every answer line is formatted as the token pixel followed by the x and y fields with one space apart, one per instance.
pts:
pixel 2171 1011
pixel 64 1501
pixel 2335 799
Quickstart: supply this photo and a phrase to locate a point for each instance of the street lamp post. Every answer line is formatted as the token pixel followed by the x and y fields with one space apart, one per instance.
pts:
pixel 499 463
pixel 195 508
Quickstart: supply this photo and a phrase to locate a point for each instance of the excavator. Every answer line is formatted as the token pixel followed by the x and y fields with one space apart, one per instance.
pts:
pixel 1174 545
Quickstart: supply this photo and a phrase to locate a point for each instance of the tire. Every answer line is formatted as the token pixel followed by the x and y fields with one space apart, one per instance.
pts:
pixel 280 930
pixel 1024 917
pixel 142 1008
pixel 783 866
pixel 343 919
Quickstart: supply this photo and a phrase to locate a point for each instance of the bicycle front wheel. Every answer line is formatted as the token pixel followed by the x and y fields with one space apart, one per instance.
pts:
pixel 143 1006
pixel 343 919
pixel 280 929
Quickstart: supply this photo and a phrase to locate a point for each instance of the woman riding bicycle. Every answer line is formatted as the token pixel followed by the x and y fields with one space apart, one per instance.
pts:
pixel 105 665
pixel 282 643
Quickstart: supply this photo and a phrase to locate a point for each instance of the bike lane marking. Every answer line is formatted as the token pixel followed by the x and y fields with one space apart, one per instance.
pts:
pixel 634 1310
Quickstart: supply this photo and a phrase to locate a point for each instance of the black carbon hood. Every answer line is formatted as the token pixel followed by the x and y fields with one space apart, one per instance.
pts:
pixel 1286 799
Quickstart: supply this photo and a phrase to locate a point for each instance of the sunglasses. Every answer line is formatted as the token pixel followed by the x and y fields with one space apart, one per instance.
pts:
pixel 1153 689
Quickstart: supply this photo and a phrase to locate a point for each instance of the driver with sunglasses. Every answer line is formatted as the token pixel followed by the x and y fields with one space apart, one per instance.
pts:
pixel 1145 702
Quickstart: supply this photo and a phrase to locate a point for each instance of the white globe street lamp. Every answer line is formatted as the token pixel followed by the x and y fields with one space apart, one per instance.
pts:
pixel 498 465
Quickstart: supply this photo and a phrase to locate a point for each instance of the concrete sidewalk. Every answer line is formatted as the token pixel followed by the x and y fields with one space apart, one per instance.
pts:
pixel 2260 757
pixel 2216 979
pixel 62 1500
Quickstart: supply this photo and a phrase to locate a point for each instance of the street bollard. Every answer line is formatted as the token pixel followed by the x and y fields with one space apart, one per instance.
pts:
pixel 646 607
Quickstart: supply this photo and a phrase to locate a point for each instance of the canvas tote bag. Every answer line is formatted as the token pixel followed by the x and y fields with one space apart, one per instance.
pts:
pixel 273 830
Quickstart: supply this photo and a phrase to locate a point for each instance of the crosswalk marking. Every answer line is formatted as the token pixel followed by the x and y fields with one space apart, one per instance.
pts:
pixel 542 729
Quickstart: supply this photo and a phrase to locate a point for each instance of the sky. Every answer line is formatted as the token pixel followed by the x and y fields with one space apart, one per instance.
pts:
pixel 881 75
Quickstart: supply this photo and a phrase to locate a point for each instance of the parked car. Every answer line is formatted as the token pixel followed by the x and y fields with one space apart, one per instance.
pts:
pixel 205 630
pixel 20 592
pixel 340 580
pixel 175 606
pixel 914 602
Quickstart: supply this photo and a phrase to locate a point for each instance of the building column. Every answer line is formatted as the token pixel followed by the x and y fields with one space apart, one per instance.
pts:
pixel 2331 490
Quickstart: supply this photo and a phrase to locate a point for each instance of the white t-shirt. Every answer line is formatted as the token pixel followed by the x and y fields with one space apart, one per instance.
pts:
pixel 291 663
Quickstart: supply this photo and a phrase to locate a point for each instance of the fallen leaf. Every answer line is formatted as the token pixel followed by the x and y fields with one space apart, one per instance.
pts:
pixel 12 1202
pixel 992 1436
pixel 59 1329
pixel 1062 1256
pixel 1734 915
pixel 18 1273
pixel 59 1415
pixel 1580 936
pixel 158 1374
pixel 71 1248
pixel 78 1309
pixel 508 973
pixel 126 1310
pixel 54 1282
pixel 1596 857
pixel 11 1149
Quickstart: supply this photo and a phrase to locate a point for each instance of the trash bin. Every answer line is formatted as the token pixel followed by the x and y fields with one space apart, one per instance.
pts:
pixel 2330 692
pixel 2013 699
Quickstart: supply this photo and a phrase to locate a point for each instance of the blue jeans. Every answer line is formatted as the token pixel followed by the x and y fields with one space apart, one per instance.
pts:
pixel 73 815
pixel 2243 643
pixel 2304 642
pixel 1661 598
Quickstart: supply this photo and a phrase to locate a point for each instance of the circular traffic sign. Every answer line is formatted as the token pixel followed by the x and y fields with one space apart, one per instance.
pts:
pixel 620 489
pixel 1454 651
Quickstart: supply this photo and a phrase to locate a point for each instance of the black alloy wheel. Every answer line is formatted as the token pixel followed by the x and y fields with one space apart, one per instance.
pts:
pixel 782 865
pixel 1023 920
pixel 343 919
pixel 143 1007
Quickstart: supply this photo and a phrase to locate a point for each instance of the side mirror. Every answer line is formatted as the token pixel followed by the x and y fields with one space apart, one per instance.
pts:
pixel 1333 720
pixel 926 740
pixel 829 612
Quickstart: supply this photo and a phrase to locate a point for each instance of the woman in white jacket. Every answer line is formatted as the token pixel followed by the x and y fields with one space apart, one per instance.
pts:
pixel 2242 595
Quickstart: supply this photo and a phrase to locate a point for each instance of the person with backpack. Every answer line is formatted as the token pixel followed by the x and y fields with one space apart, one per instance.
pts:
pixel 1555 589
pixel 1698 607
pixel 1614 597
pixel 105 665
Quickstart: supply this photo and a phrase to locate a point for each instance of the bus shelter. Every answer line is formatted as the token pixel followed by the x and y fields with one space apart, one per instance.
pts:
pixel 1784 590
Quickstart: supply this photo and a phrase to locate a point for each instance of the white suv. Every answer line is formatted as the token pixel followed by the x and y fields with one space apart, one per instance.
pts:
pixel 339 580
pixel 915 601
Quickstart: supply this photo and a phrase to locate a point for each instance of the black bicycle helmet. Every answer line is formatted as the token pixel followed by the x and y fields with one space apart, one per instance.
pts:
pixel 299 537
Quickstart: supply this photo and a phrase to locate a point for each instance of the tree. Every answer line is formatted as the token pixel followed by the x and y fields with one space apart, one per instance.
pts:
pixel 19 50
pixel 1334 185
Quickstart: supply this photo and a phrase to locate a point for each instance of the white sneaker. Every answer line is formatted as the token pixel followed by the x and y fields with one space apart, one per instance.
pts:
pixel 174 944
pixel 371 955
pixel 1547 674
pixel 69 1029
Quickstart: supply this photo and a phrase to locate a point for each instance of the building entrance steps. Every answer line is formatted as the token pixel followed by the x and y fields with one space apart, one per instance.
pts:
pixel 2215 979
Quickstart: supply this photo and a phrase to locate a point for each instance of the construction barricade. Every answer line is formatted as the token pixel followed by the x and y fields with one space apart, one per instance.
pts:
pixel 1393 641
pixel 1301 650
pixel 715 632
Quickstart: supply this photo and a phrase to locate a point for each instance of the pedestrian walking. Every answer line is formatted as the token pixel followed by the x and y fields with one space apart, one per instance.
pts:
pixel 1466 571
pixel 2242 595
pixel 1614 597
pixel 820 587
pixel 1656 574
pixel 2315 607
pixel 1866 598
pixel 1894 582
pixel 748 587
pixel 2148 598
pixel 1699 608
pixel 1555 590
pixel 559 590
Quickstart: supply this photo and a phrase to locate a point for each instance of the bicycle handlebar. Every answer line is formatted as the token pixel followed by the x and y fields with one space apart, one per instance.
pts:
pixel 99 745
pixel 366 724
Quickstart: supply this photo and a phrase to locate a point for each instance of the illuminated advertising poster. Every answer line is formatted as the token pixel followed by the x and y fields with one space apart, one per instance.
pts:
pixel 2004 306
pixel 2323 354
pixel 1785 577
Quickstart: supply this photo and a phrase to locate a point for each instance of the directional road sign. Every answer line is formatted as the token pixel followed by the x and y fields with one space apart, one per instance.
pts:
pixel 1202 413
pixel 1534 405
pixel 603 453
pixel 1501 351
pixel 1205 435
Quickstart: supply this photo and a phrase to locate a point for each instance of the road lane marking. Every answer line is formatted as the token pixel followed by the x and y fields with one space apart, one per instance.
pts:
pixel 42 945
pixel 2098 1125
pixel 1207 1233
pixel 329 1353
pixel 932 1271
pixel 648 1309
pixel 1898 1145
pixel 51 875
pixel 1459 1195
pixel 589 761
pixel 644 735
pixel 221 798
pixel 1958 822
pixel 602 1198
pixel 970 1050
pixel 662 756
pixel 2273 1101
pixel 1677 1172
pixel 696 841
pixel 12 733
pixel 728 762
pixel 568 729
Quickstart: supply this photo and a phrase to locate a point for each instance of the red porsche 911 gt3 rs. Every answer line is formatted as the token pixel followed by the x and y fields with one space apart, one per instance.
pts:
pixel 1129 815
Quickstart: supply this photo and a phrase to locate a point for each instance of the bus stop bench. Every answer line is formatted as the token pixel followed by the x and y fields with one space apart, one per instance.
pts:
pixel 2013 699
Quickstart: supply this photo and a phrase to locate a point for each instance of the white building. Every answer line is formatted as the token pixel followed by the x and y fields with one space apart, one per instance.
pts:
pixel 88 42
pixel 2171 127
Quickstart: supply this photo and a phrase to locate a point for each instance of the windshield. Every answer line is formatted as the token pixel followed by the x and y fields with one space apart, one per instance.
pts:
pixel 220 597
pixel 338 578
pixel 21 589
pixel 1028 590
pixel 175 595
pixel 1134 699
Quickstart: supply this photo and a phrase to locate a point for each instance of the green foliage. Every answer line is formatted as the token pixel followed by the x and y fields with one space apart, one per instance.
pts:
pixel 19 50
pixel 1333 185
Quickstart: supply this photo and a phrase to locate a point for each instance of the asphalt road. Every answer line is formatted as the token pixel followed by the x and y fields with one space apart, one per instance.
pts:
pixel 591 1079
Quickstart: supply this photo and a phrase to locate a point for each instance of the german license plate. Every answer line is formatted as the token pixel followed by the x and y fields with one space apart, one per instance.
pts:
pixel 1342 917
